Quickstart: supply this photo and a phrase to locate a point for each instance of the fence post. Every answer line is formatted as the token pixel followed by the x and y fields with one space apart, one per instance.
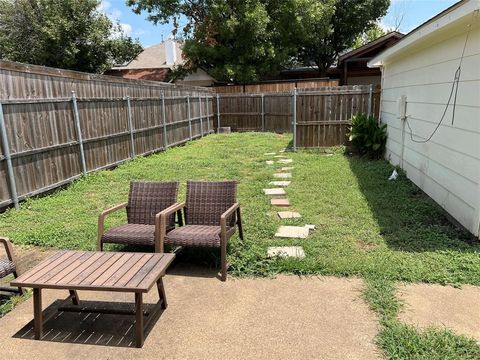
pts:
pixel 189 117
pixel 208 114
pixel 130 125
pixel 263 112
pixel 164 117
pixel 218 112
pixel 294 118
pixel 79 132
pixel 8 159
pixel 200 108
pixel 370 97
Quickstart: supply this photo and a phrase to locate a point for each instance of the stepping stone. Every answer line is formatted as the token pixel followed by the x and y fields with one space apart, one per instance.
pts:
pixel 279 183
pixel 288 215
pixel 285 161
pixel 288 168
pixel 275 192
pixel 282 175
pixel 286 251
pixel 280 202
pixel 279 156
pixel 297 232
pixel 310 227
pixel 282 151
pixel 269 162
pixel 268 154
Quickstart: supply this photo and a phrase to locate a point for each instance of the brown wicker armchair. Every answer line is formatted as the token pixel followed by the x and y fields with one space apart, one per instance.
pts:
pixel 7 266
pixel 211 213
pixel 145 201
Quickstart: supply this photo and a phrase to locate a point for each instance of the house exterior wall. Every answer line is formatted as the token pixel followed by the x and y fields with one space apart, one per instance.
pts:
pixel 447 167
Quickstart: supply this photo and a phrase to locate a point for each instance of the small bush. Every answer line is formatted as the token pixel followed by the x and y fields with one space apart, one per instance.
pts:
pixel 367 136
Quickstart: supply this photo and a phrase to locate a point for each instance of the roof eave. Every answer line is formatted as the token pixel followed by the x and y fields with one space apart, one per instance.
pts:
pixel 449 16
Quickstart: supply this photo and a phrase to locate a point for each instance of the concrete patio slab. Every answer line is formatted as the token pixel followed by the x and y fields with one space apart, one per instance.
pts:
pixel 280 202
pixel 286 251
pixel 441 306
pixel 288 215
pixel 279 183
pixel 282 175
pixel 296 232
pixel 285 161
pixel 288 317
pixel 275 192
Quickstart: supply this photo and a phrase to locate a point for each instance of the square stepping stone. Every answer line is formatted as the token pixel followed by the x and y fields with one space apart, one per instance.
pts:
pixel 275 192
pixel 280 202
pixel 288 168
pixel 297 232
pixel 288 215
pixel 279 183
pixel 269 154
pixel 269 162
pixel 282 175
pixel 285 161
pixel 286 251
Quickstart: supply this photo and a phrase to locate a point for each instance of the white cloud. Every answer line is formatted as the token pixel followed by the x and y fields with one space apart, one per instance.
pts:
pixel 115 14
pixel 126 29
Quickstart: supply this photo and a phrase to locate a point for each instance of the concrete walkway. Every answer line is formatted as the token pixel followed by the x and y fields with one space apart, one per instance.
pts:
pixel 284 318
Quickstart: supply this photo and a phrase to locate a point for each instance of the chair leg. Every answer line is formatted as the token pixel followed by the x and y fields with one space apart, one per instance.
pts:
pixel 239 224
pixel 224 259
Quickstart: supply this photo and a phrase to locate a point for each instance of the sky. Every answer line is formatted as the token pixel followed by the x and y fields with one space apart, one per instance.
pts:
pixel 409 13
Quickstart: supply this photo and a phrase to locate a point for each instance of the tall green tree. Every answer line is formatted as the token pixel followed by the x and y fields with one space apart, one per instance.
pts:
pixel 68 34
pixel 350 19
pixel 242 40
pixel 375 32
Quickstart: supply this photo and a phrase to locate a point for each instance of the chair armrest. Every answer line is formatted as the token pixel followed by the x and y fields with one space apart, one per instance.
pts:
pixel 226 215
pixel 161 224
pixel 8 248
pixel 101 222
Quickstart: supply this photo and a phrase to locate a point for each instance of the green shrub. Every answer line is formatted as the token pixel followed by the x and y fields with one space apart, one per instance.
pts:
pixel 367 136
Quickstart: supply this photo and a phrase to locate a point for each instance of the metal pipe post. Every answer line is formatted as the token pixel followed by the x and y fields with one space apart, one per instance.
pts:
pixel 164 116
pixel 8 159
pixel 76 117
pixel 130 126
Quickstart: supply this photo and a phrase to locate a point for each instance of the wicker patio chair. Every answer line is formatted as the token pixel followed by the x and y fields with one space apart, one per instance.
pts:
pixel 7 266
pixel 145 201
pixel 211 213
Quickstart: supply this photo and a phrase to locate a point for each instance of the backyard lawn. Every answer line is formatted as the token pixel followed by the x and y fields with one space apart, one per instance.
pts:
pixel 383 231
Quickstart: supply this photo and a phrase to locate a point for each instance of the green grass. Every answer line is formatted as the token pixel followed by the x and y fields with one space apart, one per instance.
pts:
pixel 383 231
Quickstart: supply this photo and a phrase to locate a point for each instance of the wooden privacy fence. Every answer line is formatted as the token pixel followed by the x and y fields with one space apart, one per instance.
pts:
pixel 56 125
pixel 317 117
pixel 276 86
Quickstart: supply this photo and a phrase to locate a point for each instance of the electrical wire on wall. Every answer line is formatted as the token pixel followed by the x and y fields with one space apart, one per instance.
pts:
pixel 453 94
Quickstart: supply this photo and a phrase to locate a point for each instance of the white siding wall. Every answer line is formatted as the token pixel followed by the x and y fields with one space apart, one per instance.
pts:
pixel 448 167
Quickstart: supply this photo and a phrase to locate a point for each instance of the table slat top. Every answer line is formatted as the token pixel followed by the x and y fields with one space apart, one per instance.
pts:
pixel 90 270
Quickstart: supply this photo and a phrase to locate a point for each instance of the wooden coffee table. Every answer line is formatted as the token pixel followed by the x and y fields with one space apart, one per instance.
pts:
pixel 98 271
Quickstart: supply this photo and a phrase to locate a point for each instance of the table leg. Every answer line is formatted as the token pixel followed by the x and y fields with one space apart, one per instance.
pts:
pixel 139 319
pixel 74 297
pixel 161 293
pixel 37 313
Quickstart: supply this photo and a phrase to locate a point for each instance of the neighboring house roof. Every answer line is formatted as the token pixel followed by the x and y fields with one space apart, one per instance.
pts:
pixel 372 46
pixel 461 12
pixel 155 57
